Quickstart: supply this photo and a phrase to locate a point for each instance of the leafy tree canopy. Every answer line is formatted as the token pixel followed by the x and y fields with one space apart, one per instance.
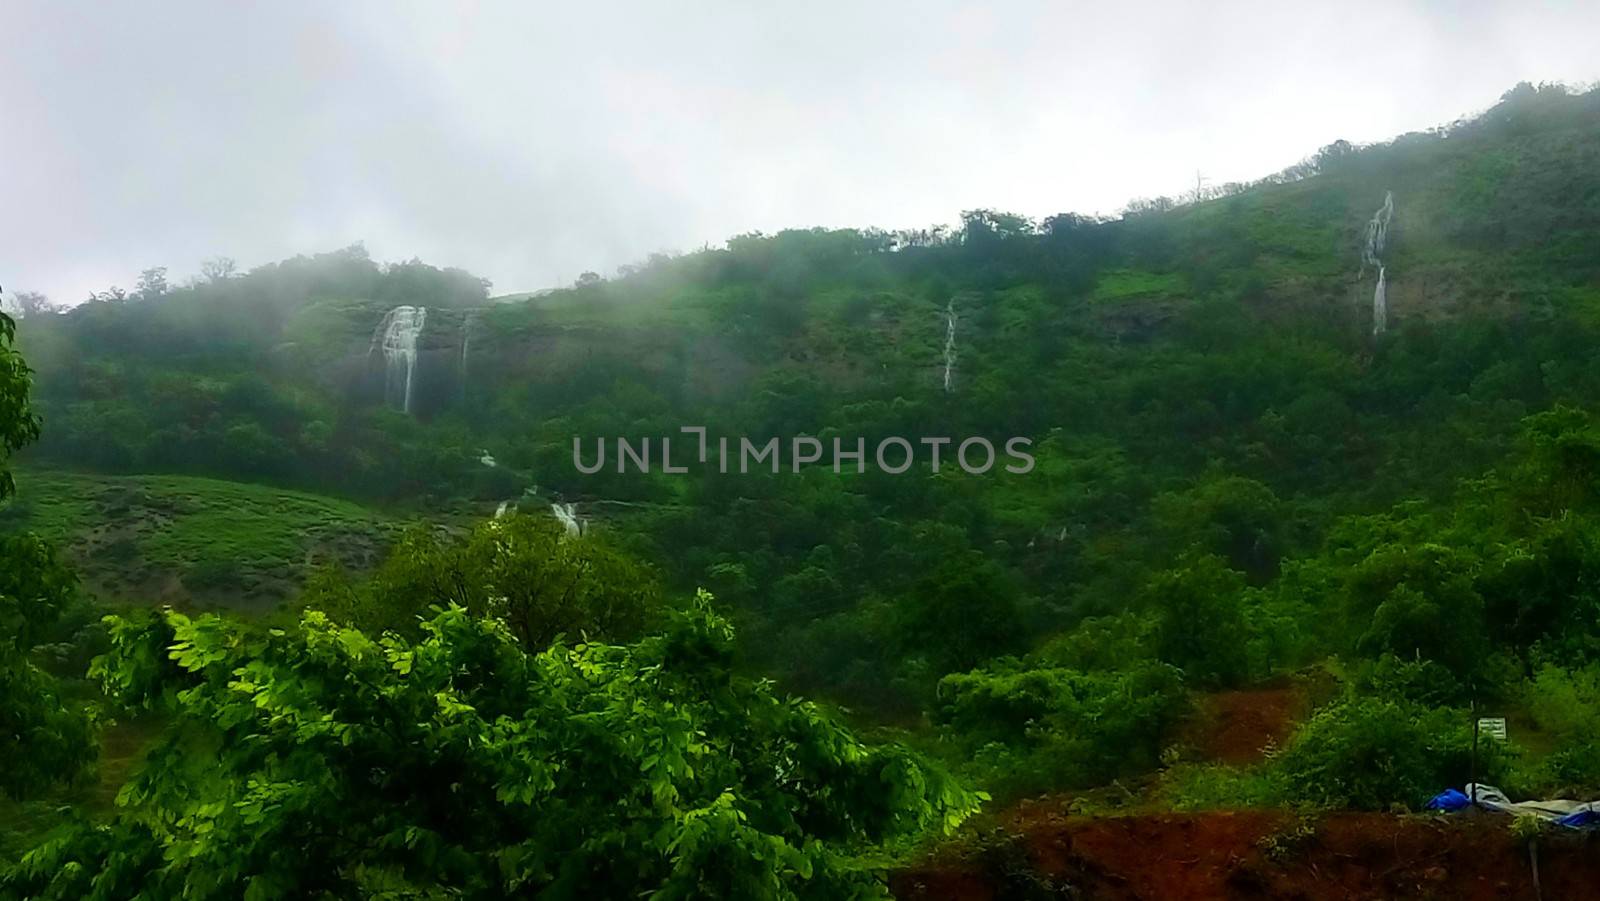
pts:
pixel 523 570
pixel 41 740
pixel 320 762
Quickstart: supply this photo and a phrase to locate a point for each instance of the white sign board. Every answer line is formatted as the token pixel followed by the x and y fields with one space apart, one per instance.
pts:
pixel 1493 727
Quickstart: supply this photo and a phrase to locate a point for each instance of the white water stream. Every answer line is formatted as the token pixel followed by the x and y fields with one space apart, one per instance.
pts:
pixel 398 335
pixel 1372 255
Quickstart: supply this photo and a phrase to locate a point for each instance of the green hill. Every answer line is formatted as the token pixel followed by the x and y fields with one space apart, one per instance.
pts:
pixel 1198 379
pixel 188 540
pixel 1246 497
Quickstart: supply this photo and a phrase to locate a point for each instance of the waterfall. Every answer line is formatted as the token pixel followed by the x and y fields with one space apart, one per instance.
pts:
pixel 567 515
pixel 398 335
pixel 1380 305
pixel 466 344
pixel 487 459
pixel 1378 233
pixel 949 341
pixel 1372 255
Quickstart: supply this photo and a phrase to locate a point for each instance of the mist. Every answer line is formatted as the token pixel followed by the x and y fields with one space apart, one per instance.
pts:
pixel 531 144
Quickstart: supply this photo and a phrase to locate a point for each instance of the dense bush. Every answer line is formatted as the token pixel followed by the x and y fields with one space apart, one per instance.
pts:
pixel 523 570
pixel 1029 729
pixel 463 764
pixel 1372 752
pixel 1565 703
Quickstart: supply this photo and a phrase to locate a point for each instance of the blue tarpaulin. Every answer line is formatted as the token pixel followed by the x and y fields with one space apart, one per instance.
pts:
pixel 1449 799
pixel 1583 819
pixel 1562 812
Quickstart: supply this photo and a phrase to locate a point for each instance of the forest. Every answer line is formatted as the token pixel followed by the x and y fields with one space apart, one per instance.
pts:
pixel 303 594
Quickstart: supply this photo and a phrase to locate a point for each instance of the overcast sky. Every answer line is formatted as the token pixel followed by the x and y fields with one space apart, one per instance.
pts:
pixel 530 142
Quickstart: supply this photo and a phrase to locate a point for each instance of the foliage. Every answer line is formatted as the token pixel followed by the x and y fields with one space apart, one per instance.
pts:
pixel 1215 786
pixel 1565 704
pixel 1235 479
pixel 18 425
pixel 1284 844
pixel 241 545
pixel 1372 753
pixel 522 570
pixel 43 740
pixel 1028 729
pixel 1525 827
pixel 461 763
pixel 961 614
pixel 1200 621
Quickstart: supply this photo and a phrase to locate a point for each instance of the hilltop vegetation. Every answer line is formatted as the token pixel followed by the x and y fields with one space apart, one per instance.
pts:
pixel 192 540
pixel 1236 482
pixel 476 749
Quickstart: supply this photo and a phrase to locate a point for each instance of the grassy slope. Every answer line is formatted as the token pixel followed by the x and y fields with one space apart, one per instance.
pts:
pixel 185 539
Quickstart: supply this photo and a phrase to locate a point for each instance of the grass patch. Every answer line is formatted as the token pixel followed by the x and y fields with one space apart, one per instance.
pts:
pixel 219 538
pixel 1123 284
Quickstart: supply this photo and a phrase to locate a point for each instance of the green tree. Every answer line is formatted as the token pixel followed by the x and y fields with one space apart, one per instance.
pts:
pixel 523 570
pixel 42 740
pixel 1201 627
pixel 18 425
pixel 1235 517
pixel 1032 727
pixel 963 613
pixel 320 762
pixel 1560 468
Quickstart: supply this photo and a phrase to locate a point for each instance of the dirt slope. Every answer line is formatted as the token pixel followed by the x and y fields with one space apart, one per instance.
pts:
pixel 1260 854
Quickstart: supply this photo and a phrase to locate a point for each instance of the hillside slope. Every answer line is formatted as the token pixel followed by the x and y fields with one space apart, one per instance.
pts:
pixel 191 541
pixel 1258 855
pixel 1235 477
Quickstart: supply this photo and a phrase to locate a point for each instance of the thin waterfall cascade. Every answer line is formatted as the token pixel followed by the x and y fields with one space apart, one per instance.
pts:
pixel 1372 255
pixel 567 515
pixel 398 335
pixel 1378 233
pixel 466 346
pixel 1380 304
pixel 949 342
pixel 487 459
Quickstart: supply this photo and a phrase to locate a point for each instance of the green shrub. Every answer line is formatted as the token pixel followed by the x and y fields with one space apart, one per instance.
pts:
pixel 1563 702
pixel 1421 681
pixel 1200 621
pixel 1032 729
pixel 1100 643
pixel 1566 704
pixel 465 765
pixel 1373 753
pixel 213 574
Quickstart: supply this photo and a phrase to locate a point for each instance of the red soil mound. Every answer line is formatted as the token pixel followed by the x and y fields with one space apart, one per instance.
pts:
pixel 1260 854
